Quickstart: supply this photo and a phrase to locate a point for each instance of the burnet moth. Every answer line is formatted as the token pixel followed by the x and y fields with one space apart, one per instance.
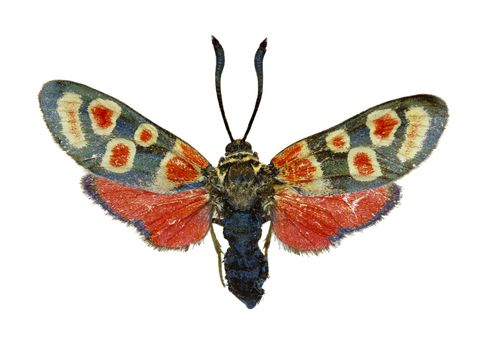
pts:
pixel 313 192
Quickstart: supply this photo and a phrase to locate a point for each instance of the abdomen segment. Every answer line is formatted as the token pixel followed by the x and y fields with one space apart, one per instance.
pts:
pixel 245 266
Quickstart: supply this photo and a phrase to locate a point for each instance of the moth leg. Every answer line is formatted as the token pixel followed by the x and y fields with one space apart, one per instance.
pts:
pixel 218 221
pixel 267 241
pixel 217 248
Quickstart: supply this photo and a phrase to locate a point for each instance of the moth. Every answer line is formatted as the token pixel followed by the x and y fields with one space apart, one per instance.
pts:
pixel 314 192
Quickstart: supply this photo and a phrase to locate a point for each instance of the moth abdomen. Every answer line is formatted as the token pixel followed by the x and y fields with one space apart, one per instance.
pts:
pixel 245 266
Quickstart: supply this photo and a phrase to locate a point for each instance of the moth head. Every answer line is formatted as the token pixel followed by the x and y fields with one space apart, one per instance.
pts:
pixel 238 145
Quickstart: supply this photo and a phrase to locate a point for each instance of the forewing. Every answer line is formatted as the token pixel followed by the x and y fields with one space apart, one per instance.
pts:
pixel 110 139
pixel 369 150
pixel 313 223
pixel 171 221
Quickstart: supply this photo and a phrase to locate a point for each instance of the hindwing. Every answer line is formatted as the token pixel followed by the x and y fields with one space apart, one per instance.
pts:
pixel 169 221
pixel 314 223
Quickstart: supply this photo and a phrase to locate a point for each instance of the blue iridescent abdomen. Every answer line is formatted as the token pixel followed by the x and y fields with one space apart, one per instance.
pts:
pixel 245 266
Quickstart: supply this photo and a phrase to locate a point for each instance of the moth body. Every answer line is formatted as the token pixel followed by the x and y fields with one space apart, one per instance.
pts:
pixel 243 187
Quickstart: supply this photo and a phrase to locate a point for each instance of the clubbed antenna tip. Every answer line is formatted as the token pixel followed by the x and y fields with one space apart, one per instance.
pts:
pixel 220 64
pixel 215 41
pixel 259 61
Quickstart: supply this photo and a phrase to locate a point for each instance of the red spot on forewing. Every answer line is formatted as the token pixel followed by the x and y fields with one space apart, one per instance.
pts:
pixel 288 155
pixel 412 132
pixel 299 171
pixel 102 116
pixel 384 126
pixel 146 135
pixel 307 223
pixel 294 167
pixel 119 155
pixel 180 171
pixel 172 220
pixel 338 141
pixel 363 163
pixel 74 123
pixel 193 156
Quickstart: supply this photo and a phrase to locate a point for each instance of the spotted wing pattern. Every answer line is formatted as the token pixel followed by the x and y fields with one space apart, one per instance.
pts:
pixel 369 150
pixel 111 140
pixel 171 221
pixel 313 223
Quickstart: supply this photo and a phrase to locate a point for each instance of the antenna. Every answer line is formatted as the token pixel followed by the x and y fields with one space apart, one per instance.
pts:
pixel 220 64
pixel 259 59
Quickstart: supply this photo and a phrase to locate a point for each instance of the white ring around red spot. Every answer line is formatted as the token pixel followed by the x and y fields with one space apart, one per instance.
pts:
pixel 68 108
pixel 103 115
pixel 383 125
pixel 175 163
pixel 119 155
pixel 415 134
pixel 338 141
pixel 146 135
pixel 298 167
pixel 363 164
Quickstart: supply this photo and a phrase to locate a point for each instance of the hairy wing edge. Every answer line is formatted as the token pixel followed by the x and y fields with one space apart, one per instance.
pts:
pixel 89 186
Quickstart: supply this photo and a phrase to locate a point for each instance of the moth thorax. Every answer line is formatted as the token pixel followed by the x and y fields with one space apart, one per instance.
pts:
pixel 237 171
pixel 238 157
pixel 241 184
pixel 238 151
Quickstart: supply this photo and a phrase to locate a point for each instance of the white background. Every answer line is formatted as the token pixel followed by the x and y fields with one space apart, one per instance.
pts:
pixel 73 278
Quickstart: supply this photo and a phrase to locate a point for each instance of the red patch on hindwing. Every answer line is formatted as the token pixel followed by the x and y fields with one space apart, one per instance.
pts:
pixel 167 220
pixel 363 163
pixel 310 223
pixel 119 155
pixel 180 171
pixel 102 116
pixel 384 126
